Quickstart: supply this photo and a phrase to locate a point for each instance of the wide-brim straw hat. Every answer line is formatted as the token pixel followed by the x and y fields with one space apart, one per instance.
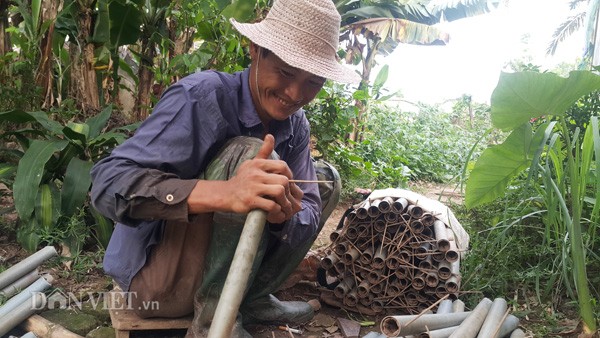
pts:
pixel 304 34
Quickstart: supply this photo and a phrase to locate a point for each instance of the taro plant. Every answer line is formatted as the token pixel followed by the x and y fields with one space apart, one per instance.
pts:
pixel 52 179
pixel 565 167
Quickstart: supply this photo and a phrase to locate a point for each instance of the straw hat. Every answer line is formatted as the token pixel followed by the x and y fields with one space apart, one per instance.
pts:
pixel 304 34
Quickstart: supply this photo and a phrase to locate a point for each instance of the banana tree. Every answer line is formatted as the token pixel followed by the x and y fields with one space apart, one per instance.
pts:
pixel 567 164
pixel 385 24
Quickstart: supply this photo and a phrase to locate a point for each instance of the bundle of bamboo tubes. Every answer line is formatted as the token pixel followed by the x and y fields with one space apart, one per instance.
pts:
pixel 392 255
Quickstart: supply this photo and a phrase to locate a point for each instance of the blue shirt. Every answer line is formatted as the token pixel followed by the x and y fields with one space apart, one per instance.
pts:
pixel 147 179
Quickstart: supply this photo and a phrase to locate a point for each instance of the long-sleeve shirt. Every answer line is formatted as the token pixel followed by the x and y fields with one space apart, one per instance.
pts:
pixel 146 180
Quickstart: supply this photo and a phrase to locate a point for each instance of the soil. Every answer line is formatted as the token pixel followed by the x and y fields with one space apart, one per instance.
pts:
pixel 88 277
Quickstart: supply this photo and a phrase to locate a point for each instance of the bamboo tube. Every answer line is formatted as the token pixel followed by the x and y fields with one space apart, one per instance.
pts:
pixel 367 300
pixel 392 263
pixel 344 287
pixel 377 288
pixel 458 306
pixel 340 267
pixel 431 279
pixel 427 233
pixel 379 225
pixel 418 282
pixel 421 251
pixel 362 211
pixel 415 211
pixel 335 235
pixel 444 270
pixel 385 206
pixel 367 256
pixel 363 230
pixel 471 325
pixel 374 276
pixel 350 256
pixel 373 210
pixel 416 226
pixel 237 277
pixel 494 319
pixel 518 333
pixel 427 219
pixel 404 256
pixel 379 258
pixel 440 291
pixel 352 233
pixel 425 264
pixel 439 333
pixel 441 236
pixel 20 284
pixel 25 266
pixel 399 205
pixel 377 306
pixel 439 256
pixel 351 299
pixel 341 248
pixel 362 290
pixel 37 287
pixel 452 284
pixel 509 324
pixel 452 254
pixel 21 312
pixel 328 262
pixel 394 326
pixel 412 298
pixel 444 307
pixel 391 217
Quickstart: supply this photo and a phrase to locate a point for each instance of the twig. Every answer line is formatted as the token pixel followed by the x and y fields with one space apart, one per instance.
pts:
pixel 427 309
pixel 309 181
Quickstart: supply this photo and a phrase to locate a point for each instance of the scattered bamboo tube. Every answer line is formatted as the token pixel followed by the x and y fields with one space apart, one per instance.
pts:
pixel 518 333
pixel 510 324
pixel 471 325
pixel 458 306
pixel 25 266
pixel 394 326
pixel 494 319
pixel 20 284
pixel 444 307
pixel 385 206
pixel 439 333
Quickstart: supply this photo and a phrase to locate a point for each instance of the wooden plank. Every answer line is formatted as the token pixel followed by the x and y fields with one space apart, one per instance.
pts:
pixel 42 327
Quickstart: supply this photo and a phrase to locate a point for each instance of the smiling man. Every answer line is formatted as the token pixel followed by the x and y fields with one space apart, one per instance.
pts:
pixel 180 188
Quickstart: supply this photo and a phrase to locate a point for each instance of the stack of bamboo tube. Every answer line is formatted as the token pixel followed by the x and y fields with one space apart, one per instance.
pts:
pixel 392 255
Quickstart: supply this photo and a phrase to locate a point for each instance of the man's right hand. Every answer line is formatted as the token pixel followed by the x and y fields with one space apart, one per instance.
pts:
pixel 260 183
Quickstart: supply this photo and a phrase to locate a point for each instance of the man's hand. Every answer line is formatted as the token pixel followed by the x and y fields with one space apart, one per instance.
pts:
pixel 260 183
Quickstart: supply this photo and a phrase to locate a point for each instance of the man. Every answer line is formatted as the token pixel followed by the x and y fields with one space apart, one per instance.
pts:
pixel 181 186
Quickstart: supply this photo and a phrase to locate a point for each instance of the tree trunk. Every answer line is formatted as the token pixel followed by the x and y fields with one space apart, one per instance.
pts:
pixel 146 79
pixel 83 86
pixel 362 105
pixel 5 45
pixel 44 76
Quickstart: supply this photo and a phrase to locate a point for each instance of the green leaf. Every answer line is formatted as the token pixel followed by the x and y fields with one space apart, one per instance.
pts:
pixel 241 10
pixel 102 26
pixel 76 185
pixel 16 116
pixel 36 6
pixel 30 172
pixel 6 170
pixel 381 78
pixel 28 234
pixel 103 228
pixel 47 207
pixel 125 23
pixel 497 165
pixel 520 97
pixel 77 131
pixel 98 122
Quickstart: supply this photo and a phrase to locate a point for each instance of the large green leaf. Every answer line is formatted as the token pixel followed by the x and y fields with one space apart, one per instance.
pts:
pixel 520 97
pixel 28 234
pixel 103 228
pixel 125 23
pixel 241 10
pixel 75 186
pixel 98 122
pixel 498 164
pixel 30 172
pixel 102 26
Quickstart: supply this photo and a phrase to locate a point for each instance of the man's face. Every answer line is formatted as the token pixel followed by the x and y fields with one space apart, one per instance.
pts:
pixel 279 90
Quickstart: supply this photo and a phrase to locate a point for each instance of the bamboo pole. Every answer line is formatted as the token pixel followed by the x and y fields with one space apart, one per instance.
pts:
pixel 25 266
pixel 42 327
pixel 471 325
pixel 494 319
pixel 394 326
pixel 237 277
